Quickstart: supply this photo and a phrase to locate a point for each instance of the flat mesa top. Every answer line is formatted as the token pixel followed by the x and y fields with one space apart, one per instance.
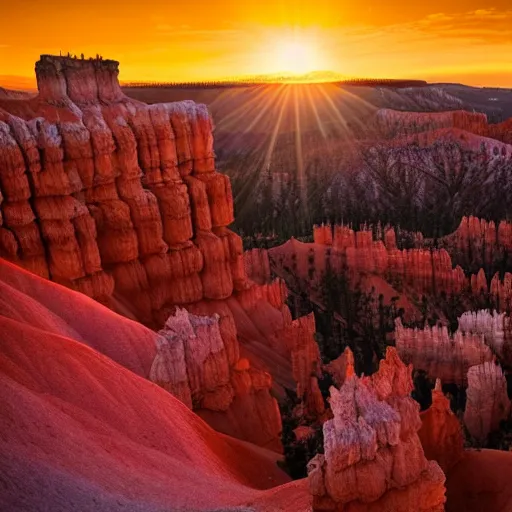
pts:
pixel 68 59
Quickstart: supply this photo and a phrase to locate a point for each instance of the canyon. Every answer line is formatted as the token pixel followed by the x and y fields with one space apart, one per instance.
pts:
pixel 171 362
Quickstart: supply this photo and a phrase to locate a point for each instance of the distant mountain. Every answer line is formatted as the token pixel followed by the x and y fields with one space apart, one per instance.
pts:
pixel 312 76
pixel 20 83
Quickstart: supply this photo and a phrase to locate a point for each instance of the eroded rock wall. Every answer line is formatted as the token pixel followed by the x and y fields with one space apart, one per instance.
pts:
pixel 441 355
pixel 115 198
pixel 121 201
pixel 340 248
pixel 495 327
pixel 293 339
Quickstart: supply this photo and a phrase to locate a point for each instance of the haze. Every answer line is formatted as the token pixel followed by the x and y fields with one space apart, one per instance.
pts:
pixel 454 41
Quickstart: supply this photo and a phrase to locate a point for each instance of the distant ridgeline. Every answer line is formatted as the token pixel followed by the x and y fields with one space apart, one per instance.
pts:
pixel 362 82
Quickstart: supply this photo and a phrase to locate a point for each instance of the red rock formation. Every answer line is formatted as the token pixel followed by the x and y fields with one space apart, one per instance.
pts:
pixel 81 431
pixel 479 283
pixel 424 270
pixel 306 362
pixel 196 354
pixel 121 201
pixel 111 196
pixel 295 339
pixel 440 433
pixel 442 356
pixel 261 315
pixel 323 234
pixel 487 402
pixel 501 291
pixel 496 328
pixel 477 242
pixel 253 414
pixel 373 456
pixel 196 358
pixel 502 131
pixel 343 237
pixel 390 239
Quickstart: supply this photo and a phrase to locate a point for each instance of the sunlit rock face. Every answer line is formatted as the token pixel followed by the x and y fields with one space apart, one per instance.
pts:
pixel 121 201
pixel 360 252
pixel 487 402
pixel 441 355
pixel 194 362
pixel 341 368
pixel 373 456
pixel 495 327
pixel 476 244
pixel 113 197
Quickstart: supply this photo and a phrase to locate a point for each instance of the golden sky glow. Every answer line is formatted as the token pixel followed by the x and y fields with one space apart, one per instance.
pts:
pixel 468 41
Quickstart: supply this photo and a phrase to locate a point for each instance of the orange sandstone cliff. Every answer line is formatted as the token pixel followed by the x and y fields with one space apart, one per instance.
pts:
pixel 115 198
pixel 122 201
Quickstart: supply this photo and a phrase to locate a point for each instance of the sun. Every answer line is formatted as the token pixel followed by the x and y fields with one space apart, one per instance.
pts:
pixel 295 56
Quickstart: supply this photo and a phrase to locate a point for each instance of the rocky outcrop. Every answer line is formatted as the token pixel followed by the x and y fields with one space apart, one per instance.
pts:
pixel 294 339
pixel 501 291
pixel 487 402
pixel 262 317
pixel 115 198
pixel 192 361
pixel 323 234
pixel 340 248
pixel 121 201
pixel 198 361
pixel 440 433
pixel 440 354
pixel 502 131
pixel 373 456
pixel 495 327
pixel 306 363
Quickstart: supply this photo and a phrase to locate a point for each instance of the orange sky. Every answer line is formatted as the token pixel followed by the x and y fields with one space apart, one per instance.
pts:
pixel 468 41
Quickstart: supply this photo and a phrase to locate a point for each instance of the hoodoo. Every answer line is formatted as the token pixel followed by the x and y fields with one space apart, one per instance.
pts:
pixel 373 456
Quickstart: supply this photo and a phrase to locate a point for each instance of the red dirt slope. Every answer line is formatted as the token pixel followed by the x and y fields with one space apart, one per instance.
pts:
pixel 80 432
pixel 53 308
